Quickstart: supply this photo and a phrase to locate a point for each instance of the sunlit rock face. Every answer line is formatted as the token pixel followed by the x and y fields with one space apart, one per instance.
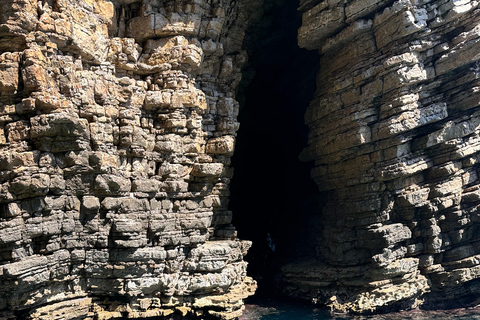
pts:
pixel 394 136
pixel 117 124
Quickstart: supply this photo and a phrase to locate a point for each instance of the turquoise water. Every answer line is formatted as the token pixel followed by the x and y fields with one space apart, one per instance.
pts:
pixel 281 310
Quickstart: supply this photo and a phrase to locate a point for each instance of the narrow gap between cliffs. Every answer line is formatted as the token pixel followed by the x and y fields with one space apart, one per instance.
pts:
pixel 272 193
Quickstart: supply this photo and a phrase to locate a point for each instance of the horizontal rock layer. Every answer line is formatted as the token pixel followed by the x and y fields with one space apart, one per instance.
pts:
pixel 117 124
pixel 394 132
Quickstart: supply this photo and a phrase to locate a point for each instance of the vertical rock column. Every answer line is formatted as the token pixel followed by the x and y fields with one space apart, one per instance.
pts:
pixel 117 124
pixel 394 130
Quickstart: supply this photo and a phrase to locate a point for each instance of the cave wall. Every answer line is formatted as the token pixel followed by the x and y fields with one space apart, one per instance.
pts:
pixel 394 131
pixel 117 125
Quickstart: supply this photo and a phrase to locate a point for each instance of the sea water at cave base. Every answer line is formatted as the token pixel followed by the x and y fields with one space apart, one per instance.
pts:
pixel 270 309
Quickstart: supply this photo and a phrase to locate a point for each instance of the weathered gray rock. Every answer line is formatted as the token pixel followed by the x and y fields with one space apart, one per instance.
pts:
pixel 114 158
pixel 394 136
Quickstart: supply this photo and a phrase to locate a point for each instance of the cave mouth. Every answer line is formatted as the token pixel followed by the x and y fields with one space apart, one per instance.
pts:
pixel 272 194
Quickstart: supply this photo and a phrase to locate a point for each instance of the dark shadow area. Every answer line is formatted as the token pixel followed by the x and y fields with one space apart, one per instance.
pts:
pixel 272 194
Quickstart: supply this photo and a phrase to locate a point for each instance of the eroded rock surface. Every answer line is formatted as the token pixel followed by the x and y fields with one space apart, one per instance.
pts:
pixel 394 134
pixel 117 124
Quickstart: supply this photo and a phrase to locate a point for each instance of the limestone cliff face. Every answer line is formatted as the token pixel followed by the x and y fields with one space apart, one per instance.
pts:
pixel 117 124
pixel 394 135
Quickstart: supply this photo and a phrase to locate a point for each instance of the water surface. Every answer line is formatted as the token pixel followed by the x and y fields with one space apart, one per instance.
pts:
pixel 266 309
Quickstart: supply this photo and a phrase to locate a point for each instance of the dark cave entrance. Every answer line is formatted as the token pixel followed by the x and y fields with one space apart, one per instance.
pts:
pixel 271 191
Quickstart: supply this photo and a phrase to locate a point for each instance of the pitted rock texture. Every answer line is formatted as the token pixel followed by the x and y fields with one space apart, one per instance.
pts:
pixel 394 136
pixel 117 124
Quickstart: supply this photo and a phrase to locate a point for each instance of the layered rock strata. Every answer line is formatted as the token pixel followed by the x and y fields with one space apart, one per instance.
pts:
pixel 117 124
pixel 394 135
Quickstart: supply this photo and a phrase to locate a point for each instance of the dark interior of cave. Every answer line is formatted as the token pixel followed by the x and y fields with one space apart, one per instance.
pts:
pixel 272 194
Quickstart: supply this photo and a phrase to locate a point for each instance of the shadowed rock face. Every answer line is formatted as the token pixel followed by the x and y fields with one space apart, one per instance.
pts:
pixel 117 124
pixel 394 130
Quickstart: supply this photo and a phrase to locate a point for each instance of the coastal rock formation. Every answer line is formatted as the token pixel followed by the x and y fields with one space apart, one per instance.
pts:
pixel 394 136
pixel 118 121
pixel 117 125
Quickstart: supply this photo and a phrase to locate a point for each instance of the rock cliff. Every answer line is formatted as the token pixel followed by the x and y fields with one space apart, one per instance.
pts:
pixel 394 136
pixel 117 125
pixel 118 121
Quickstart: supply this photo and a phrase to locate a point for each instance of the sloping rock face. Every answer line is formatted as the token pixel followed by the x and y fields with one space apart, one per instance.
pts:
pixel 394 134
pixel 117 124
